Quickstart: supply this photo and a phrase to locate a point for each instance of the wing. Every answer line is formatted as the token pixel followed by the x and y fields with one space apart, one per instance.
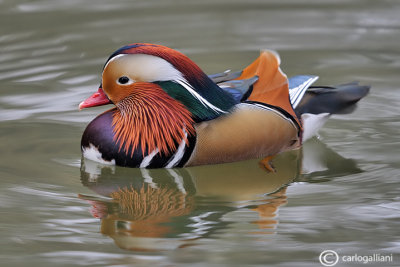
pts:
pixel 298 86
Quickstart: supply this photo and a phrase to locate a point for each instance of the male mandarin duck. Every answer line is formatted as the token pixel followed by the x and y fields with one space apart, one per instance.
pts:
pixel 169 113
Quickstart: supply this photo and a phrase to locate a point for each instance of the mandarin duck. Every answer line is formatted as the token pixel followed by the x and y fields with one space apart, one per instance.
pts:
pixel 169 113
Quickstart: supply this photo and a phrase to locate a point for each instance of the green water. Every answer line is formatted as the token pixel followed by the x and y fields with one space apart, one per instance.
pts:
pixel 341 192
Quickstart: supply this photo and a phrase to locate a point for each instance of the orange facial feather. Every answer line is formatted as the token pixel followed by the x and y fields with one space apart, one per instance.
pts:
pixel 151 119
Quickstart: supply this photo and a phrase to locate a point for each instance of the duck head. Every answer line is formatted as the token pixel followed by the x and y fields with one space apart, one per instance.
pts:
pixel 159 95
pixel 140 64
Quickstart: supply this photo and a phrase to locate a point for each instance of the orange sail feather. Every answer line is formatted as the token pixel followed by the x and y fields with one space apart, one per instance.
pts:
pixel 272 86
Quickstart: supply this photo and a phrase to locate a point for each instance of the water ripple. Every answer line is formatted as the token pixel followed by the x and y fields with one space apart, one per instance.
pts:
pixel 52 54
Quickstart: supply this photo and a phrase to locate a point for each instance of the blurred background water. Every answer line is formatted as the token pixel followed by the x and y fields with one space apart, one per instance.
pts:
pixel 340 192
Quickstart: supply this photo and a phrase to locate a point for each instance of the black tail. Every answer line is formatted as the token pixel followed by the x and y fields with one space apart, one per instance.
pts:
pixel 340 99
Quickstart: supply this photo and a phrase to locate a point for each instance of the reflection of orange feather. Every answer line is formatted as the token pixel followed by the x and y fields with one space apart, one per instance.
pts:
pixel 151 204
pixel 151 119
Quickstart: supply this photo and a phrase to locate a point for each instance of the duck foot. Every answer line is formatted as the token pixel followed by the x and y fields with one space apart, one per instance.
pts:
pixel 266 164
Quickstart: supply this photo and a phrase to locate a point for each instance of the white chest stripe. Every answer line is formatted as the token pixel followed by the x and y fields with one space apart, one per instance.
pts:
pixel 147 160
pixel 178 154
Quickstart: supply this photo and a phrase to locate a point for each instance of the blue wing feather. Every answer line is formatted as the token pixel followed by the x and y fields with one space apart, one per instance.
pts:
pixel 298 85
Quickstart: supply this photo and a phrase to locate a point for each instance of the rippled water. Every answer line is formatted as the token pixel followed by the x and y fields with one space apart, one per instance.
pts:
pixel 340 192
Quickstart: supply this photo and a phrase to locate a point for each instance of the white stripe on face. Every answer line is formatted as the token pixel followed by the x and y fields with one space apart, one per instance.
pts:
pixel 142 67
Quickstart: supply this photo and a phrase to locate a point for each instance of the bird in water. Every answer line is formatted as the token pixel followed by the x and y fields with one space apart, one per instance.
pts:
pixel 169 113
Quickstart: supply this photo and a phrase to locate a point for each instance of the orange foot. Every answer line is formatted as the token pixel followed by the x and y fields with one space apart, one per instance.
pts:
pixel 266 164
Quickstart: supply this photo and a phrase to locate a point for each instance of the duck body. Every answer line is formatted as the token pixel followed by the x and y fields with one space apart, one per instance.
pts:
pixel 170 114
pixel 212 142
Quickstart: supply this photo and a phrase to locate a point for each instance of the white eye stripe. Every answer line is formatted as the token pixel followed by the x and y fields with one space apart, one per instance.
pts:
pixel 147 68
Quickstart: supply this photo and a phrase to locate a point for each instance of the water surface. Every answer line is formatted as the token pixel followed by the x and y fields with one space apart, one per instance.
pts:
pixel 339 192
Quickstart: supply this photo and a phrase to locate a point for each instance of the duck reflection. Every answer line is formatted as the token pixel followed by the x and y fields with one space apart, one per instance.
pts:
pixel 268 212
pixel 162 209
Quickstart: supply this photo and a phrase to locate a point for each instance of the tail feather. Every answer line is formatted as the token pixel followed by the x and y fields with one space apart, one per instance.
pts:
pixel 320 102
pixel 340 99
pixel 263 81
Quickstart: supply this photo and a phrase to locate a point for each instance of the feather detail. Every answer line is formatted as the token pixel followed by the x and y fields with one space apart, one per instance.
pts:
pixel 151 119
pixel 272 86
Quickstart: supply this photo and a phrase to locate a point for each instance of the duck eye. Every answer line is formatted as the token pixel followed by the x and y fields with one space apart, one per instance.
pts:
pixel 123 80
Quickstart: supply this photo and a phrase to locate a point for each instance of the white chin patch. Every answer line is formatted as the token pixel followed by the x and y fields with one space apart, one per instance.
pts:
pixel 94 154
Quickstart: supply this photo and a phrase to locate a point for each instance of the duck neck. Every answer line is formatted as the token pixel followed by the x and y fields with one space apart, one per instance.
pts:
pixel 205 104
